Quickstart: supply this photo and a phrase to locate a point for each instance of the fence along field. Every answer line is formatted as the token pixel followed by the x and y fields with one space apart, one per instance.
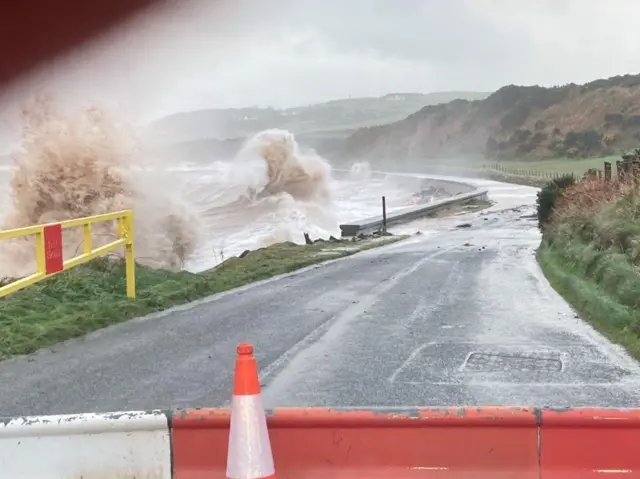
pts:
pixel 628 167
pixel 49 248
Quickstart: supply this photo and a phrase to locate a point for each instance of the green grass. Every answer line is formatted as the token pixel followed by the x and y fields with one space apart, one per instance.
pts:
pixel 477 171
pixel 471 206
pixel 516 179
pixel 93 296
pixel 603 286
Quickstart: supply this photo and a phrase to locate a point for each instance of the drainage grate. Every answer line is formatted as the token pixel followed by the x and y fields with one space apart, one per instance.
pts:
pixel 521 362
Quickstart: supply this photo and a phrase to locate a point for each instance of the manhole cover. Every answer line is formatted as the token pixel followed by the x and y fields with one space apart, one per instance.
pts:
pixel 500 362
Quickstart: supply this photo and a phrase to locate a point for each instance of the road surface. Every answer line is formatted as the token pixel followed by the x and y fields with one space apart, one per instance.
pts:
pixel 460 315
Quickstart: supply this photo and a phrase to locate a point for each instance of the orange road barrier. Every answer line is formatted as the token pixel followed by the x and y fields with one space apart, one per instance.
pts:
pixel 323 443
pixel 589 443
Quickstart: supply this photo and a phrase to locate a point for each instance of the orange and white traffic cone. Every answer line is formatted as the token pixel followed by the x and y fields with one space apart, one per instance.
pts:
pixel 249 455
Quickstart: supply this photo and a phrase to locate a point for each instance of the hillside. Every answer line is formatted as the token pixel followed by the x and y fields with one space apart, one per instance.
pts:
pixel 598 118
pixel 340 117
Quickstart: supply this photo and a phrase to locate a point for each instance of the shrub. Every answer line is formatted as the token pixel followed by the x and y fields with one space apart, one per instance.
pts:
pixel 608 139
pixel 540 125
pixel 572 152
pixel 539 137
pixel 548 196
pixel 597 212
pixel 491 145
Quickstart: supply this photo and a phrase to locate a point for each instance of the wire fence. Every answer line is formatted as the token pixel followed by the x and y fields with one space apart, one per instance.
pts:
pixel 626 169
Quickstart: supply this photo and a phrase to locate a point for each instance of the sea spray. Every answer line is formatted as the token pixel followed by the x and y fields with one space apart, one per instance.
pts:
pixel 269 192
pixel 80 164
pixel 84 162
pixel 360 170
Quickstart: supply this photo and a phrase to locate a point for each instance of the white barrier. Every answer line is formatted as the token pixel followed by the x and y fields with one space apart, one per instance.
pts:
pixel 88 446
pixel 465 193
pixel 369 225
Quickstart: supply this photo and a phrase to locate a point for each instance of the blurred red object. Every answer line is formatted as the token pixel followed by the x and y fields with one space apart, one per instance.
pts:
pixel 34 31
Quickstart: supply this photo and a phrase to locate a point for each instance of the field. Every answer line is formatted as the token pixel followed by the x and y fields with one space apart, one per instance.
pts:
pixel 558 165
pixel 530 173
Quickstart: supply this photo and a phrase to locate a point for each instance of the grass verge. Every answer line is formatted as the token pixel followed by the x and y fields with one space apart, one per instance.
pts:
pixel 471 206
pixel 93 296
pixel 602 286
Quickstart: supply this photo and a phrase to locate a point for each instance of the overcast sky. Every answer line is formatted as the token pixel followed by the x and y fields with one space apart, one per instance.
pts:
pixel 213 53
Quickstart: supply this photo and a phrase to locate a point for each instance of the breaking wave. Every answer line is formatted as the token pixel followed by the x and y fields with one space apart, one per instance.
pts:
pixel 269 193
pixel 85 163
pixel 189 216
pixel 70 166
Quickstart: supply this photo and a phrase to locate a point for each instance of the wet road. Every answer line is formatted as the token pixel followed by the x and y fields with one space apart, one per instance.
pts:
pixel 455 316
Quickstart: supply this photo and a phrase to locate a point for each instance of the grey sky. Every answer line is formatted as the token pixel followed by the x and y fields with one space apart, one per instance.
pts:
pixel 291 52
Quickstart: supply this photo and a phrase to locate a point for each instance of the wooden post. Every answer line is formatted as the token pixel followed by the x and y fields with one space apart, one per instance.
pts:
pixel 384 214
pixel 619 170
pixel 607 171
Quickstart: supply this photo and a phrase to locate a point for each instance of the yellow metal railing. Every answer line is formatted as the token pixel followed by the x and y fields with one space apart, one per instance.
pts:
pixel 124 223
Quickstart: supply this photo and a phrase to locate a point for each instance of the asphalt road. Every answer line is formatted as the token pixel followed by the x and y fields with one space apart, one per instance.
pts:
pixel 455 316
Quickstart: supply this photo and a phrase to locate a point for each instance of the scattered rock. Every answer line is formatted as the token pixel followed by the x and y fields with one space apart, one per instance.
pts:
pixel 307 239
pixel 464 225
pixel 428 193
pixel 468 244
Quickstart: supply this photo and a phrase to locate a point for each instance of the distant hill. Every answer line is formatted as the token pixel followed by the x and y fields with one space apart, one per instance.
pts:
pixel 337 118
pixel 598 118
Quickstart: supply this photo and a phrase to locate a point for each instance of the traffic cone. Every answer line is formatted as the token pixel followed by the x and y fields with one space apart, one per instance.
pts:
pixel 249 455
